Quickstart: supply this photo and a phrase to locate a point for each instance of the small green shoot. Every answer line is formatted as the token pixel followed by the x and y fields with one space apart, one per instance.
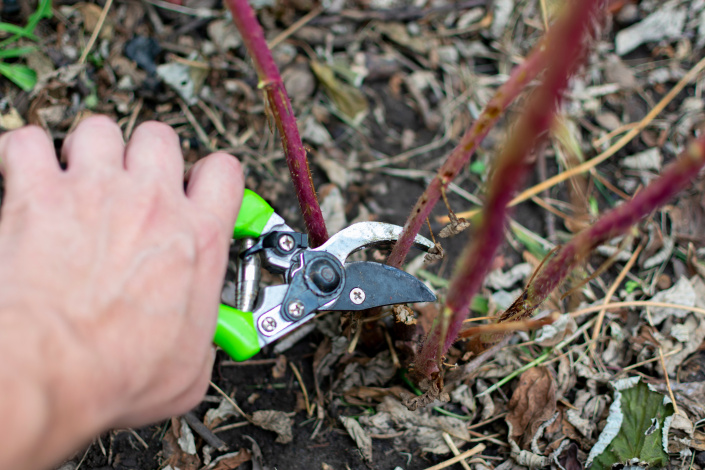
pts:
pixel 19 74
pixel 594 208
pixel 477 167
pixel 631 286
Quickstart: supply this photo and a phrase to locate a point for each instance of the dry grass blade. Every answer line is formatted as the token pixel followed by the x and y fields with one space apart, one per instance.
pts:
pixel 309 410
pixel 231 401
pixel 458 458
pixel 590 164
pixel 96 32
pixel 454 449
pixel 610 293
pixel 636 303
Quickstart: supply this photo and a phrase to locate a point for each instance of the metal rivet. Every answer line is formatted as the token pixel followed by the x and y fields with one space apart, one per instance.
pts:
pixel 269 324
pixel 286 242
pixel 357 296
pixel 295 308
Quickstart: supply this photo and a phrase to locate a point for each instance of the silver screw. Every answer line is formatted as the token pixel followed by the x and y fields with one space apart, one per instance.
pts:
pixel 269 324
pixel 286 242
pixel 357 296
pixel 295 308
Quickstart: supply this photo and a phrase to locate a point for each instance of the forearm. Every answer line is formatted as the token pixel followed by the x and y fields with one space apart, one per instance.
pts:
pixel 44 415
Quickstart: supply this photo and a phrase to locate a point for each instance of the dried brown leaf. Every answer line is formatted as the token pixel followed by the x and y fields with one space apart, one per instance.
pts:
pixel 454 228
pixel 434 254
pixel 232 460
pixel 368 394
pixel 279 369
pixel 359 435
pixel 276 421
pixel 403 314
pixel 172 453
pixel 533 403
pixel 91 14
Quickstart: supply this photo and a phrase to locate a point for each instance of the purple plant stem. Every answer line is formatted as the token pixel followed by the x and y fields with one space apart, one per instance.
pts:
pixel 461 154
pixel 563 50
pixel 674 178
pixel 277 103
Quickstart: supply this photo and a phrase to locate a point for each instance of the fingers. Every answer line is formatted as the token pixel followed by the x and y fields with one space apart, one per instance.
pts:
pixel 96 143
pixel 27 159
pixel 215 184
pixel 154 149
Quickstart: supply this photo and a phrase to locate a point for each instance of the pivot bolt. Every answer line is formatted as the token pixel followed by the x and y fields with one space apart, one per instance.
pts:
pixel 286 242
pixel 357 296
pixel 269 324
pixel 295 309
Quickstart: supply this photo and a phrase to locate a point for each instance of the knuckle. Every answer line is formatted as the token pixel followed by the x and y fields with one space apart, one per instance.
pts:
pixel 99 121
pixel 23 135
pixel 159 130
pixel 227 163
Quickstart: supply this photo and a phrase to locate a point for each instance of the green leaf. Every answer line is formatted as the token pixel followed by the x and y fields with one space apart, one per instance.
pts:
pixel 630 286
pixel 594 207
pixel 21 75
pixel 16 52
pixel 18 31
pixel 536 245
pixel 634 430
pixel 43 11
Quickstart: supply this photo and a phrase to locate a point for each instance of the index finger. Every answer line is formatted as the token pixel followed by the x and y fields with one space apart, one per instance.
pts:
pixel 216 184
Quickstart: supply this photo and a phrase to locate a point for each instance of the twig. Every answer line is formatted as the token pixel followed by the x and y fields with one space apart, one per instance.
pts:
pixel 298 24
pixel 232 402
pixel 392 351
pixel 454 449
pixel 203 431
pixel 133 118
pixel 663 365
pixel 197 12
pixel 202 136
pixel 610 292
pixel 647 361
pixel 96 32
pixel 458 458
pixel 544 14
pixel 228 427
pixel 636 303
pixel 309 410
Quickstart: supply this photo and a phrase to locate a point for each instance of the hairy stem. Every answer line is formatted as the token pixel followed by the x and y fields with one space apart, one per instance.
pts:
pixel 674 178
pixel 278 106
pixel 563 51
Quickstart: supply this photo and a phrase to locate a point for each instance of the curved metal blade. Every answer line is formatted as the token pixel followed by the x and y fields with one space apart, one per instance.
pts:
pixel 364 235
pixel 370 285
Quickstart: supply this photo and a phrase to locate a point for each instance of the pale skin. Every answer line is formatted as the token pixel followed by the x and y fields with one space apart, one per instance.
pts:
pixel 109 283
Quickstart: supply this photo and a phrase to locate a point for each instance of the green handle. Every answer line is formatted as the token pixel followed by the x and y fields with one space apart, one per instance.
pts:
pixel 254 215
pixel 236 333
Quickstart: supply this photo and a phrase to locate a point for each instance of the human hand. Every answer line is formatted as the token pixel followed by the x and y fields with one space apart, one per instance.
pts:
pixel 110 276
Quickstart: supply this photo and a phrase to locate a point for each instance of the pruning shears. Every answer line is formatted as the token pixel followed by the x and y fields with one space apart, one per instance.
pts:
pixel 315 279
